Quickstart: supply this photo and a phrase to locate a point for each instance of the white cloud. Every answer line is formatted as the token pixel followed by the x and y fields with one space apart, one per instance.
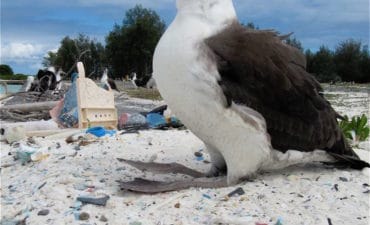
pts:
pixel 24 57
pixel 21 50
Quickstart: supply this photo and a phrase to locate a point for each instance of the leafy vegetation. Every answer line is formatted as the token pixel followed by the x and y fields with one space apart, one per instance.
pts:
pixel 14 77
pixel 355 129
pixel 130 46
pixel 350 62
pixel 90 52
pixel 6 70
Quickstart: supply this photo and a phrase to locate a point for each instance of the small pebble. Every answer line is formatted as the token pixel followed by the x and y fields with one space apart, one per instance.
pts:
pixel 43 212
pixel 177 205
pixel 103 218
pixel 198 154
pixel 84 216
pixel 344 179
pixel 77 148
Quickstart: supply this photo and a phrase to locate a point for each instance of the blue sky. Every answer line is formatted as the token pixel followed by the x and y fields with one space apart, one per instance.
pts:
pixel 31 28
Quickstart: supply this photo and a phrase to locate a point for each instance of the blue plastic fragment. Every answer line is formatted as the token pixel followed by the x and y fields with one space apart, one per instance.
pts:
pixel 206 196
pixel 76 215
pixel 69 114
pixel 156 120
pixel 92 200
pixel 200 158
pixel 100 131
pixel 279 221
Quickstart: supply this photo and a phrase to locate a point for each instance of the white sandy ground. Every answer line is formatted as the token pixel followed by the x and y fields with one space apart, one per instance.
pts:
pixel 306 194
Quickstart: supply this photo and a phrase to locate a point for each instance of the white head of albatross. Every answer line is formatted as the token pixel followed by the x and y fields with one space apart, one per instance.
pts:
pixel 245 94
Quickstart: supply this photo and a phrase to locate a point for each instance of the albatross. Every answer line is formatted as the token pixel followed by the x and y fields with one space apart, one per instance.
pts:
pixel 246 94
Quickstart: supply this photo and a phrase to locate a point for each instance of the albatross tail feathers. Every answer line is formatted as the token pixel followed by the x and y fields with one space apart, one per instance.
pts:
pixel 344 161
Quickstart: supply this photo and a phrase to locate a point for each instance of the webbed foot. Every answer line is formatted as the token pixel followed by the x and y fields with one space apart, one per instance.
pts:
pixel 148 186
pixel 163 168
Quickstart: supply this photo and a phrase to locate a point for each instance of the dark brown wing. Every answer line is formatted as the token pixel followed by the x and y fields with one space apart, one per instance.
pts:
pixel 258 70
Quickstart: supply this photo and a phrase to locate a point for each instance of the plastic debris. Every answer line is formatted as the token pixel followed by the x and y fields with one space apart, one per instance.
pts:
pixel 160 110
pixel 24 153
pixel 279 221
pixel 93 200
pixel 206 196
pixel 156 120
pixel 239 191
pixel 100 131
pixel 136 223
pixel 201 158
pixel 127 120
pixel 39 155
pixel 175 122
pixel 14 134
pixel 69 113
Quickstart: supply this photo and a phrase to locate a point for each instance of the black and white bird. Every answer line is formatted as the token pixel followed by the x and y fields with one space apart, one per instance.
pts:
pixel 45 80
pixel 246 94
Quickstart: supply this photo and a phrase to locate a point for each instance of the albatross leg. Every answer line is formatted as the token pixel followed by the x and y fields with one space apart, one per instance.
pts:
pixel 218 162
pixel 148 186
pixel 215 178
pixel 163 168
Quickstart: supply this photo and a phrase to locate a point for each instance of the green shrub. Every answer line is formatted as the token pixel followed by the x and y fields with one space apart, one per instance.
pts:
pixel 356 129
pixel 13 77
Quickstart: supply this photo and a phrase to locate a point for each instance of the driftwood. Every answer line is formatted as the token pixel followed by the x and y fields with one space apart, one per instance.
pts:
pixel 31 107
pixel 17 116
